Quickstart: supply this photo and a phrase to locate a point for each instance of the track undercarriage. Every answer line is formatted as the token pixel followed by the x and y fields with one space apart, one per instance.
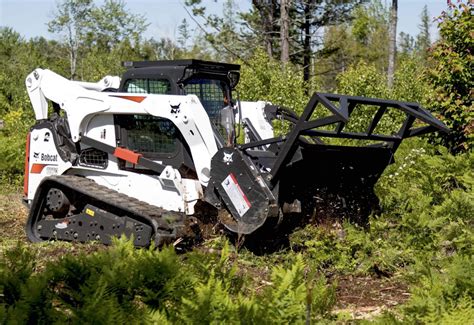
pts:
pixel 75 208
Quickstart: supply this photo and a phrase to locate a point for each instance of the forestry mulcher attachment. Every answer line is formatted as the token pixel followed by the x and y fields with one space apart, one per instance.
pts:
pixel 154 155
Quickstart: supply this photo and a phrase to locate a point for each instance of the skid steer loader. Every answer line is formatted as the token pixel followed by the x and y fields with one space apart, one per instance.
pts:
pixel 153 154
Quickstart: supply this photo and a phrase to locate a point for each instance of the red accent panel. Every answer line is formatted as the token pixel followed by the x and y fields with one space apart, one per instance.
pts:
pixel 37 168
pixel 27 165
pixel 137 99
pixel 127 155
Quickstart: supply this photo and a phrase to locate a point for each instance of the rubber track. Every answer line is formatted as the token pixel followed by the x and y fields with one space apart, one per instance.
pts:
pixel 168 224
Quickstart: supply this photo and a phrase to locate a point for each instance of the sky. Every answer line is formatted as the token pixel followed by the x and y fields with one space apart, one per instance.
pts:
pixel 29 17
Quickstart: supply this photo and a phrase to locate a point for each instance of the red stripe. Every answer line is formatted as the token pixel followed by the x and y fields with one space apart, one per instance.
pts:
pixel 240 190
pixel 27 165
pixel 137 99
pixel 37 168
pixel 127 155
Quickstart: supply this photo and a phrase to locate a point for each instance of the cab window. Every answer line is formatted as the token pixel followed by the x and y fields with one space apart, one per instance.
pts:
pixel 147 134
pixel 148 86
pixel 212 93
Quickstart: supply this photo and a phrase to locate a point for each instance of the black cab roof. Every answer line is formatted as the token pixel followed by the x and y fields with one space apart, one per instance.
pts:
pixel 178 71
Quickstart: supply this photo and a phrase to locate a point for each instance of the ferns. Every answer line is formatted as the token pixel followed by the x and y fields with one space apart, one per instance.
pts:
pixel 209 304
pixel 298 295
pixel 126 285
pixel 292 297
pixel 445 295
pixel 15 269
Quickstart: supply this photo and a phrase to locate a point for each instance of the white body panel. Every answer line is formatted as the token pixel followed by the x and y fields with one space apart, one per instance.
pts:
pixel 44 159
pixel 255 113
pixel 91 113
pixel 167 192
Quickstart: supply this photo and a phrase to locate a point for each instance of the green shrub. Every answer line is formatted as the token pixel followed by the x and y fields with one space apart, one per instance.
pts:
pixel 263 78
pixel 325 249
pixel 451 74
pixel 431 196
pixel 12 148
pixel 363 79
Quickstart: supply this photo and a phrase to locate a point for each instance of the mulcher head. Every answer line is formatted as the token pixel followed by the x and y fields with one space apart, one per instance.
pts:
pixel 326 166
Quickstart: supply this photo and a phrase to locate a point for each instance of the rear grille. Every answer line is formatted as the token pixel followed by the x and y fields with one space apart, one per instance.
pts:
pixel 93 158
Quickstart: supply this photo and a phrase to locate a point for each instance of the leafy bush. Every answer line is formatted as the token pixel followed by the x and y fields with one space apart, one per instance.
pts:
pixel 263 78
pixel 452 75
pixel 363 79
pixel 325 249
pixel 432 195
pixel 12 148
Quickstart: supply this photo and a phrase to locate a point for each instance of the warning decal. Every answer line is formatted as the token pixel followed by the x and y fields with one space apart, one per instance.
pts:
pixel 236 195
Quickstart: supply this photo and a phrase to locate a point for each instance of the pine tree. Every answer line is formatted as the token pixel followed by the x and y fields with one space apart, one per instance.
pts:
pixel 184 34
pixel 423 40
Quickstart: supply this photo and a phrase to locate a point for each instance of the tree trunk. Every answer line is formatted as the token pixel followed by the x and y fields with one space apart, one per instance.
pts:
pixel 73 48
pixel 392 46
pixel 73 60
pixel 307 43
pixel 269 24
pixel 284 31
pixel 266 10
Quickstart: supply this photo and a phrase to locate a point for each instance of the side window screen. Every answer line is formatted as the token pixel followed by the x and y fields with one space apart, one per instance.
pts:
pixel 148 86
pixel 211 93
pixel 147 134
pixel 162 86
pixel 136 86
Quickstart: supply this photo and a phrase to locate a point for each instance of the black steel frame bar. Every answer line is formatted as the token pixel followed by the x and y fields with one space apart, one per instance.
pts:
pixel 261 143
pixel 351 135
pixel 341 115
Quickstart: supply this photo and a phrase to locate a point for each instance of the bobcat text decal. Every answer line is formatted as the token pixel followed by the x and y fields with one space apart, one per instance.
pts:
pixel 47 157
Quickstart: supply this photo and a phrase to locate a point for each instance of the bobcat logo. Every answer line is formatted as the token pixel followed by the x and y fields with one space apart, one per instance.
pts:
pixel 228 158
pixel 175 108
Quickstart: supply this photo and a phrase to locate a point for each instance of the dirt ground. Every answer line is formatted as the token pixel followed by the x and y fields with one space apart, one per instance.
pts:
pixel 12 217
pixel 359 297
pixel 367 297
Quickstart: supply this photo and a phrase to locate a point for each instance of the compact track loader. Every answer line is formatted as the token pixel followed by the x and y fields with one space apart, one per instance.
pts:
pixel 154 155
